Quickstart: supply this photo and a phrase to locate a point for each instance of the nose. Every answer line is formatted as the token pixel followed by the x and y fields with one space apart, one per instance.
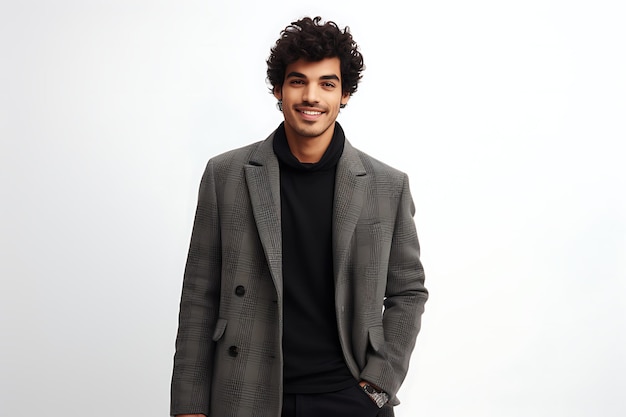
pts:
pixel 310 93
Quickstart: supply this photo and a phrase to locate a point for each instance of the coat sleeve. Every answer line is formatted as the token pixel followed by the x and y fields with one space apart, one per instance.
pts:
pixel 405 296
pixel 199 307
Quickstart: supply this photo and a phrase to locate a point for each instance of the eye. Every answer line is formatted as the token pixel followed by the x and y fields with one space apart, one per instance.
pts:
pixel 296 81
pixel 328 85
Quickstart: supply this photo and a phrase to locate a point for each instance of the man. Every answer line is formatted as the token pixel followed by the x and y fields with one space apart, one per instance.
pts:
pixel 303 290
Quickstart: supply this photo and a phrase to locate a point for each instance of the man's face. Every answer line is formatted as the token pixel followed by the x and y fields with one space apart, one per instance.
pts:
pixel 311 95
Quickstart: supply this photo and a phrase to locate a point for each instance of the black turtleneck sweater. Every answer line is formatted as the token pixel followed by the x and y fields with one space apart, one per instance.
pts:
pixel 313 360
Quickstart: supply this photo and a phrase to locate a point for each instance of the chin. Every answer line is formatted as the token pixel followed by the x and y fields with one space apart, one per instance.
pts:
pixel 311 133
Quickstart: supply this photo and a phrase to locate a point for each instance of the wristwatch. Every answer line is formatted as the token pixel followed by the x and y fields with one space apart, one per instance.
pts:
pixel 378 396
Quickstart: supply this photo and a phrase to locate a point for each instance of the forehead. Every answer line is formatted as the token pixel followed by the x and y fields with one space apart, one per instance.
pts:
pixel 315 69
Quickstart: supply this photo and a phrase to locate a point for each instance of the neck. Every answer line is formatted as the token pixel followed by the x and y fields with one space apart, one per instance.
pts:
pixel 309 149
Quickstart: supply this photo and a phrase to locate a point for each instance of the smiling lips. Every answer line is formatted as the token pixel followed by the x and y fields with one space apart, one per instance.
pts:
pixel 310 114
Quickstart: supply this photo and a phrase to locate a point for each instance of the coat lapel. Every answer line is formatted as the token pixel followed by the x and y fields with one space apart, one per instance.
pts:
pixel 349 192
pixel 263 179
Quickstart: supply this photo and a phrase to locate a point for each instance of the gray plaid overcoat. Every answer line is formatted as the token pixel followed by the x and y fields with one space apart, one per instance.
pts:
pixel 228 360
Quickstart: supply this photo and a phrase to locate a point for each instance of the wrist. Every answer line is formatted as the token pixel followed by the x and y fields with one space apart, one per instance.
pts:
pixel 377 395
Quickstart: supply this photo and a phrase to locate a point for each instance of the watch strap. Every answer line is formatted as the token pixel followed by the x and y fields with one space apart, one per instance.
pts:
pixel 379 397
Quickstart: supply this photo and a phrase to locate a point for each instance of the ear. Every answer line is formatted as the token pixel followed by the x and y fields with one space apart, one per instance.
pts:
pixel 344 98
pixel 278 92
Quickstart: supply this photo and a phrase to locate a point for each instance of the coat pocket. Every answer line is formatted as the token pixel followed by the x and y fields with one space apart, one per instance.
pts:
pixel 376 337
pixel 220 327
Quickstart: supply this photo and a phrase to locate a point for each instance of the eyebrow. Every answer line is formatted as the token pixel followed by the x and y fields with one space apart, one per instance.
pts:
pixel 323 77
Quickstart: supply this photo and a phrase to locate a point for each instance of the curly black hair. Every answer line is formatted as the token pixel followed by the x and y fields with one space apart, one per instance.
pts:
pixel 311 40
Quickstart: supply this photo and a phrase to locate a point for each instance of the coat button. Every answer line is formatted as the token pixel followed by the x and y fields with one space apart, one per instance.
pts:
pixel 233 351
pixel 240 290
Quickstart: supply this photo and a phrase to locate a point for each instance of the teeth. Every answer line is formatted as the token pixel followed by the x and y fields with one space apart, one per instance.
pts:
pixel 311 113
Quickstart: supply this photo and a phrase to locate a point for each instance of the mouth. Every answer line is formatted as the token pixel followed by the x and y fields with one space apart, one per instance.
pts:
pixel 310 114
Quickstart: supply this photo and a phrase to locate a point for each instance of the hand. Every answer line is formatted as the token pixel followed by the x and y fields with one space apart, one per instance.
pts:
pixel 364 383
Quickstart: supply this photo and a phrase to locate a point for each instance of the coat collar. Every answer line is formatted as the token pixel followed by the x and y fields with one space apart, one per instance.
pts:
pixel 263 179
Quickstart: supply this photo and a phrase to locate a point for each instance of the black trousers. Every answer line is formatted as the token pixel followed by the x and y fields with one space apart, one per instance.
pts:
pixel 349 402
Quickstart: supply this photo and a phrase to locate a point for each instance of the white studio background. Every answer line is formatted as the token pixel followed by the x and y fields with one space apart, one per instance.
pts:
pixel 509 117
